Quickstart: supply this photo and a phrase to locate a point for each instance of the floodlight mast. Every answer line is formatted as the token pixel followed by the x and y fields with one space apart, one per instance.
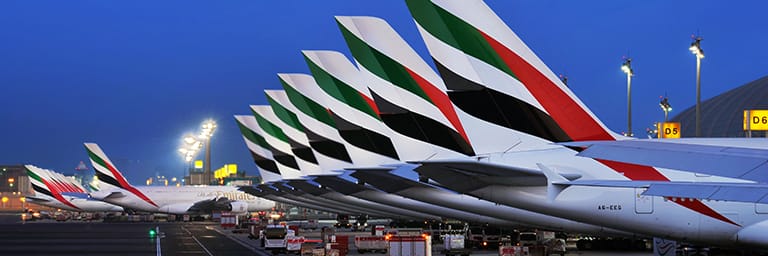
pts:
pixel 626 67
pixel 699 53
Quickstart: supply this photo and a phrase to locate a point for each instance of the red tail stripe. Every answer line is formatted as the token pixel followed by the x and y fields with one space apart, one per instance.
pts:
pixel 57 194
pixel 124 184
pixel 577 123
pixel 370 103
pixel 440 99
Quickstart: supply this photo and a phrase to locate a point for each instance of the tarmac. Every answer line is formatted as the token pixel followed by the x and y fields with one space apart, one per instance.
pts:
pixel 49 237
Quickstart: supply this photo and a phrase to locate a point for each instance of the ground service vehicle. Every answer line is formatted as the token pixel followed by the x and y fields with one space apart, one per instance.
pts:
pixel 454 245
pixel 275 238
pixel 371 243
pixel 409 245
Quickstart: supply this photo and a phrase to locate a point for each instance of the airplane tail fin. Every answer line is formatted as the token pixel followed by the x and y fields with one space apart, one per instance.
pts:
pixel 108 174
pixel 349 103
pixel 410 96
pixel 259 148
pixel 311 102
pixel 106 171
pixel 43 182
pixel 279 143
pixel 326 158
pixel 36 178
pixel 491 74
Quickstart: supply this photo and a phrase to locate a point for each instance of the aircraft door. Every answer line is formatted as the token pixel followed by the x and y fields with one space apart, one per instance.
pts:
pixel 643 204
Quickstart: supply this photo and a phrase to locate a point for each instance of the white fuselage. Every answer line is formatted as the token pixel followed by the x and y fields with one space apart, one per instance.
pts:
pixel 178 200
pixel 710 222
pixel 80 204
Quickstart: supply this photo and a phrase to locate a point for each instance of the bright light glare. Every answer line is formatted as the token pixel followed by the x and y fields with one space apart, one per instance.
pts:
pixel 189 139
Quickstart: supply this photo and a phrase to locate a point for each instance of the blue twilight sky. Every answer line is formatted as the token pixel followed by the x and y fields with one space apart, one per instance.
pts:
pixel 134 76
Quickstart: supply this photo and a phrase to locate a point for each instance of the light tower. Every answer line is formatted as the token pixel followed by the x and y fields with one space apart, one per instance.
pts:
pixel 696 50
pixel 626 67
pixel 208 127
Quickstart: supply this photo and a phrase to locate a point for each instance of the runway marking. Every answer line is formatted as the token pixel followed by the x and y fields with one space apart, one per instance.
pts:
pixel 198 241
pixel 201 245
pixel 157 241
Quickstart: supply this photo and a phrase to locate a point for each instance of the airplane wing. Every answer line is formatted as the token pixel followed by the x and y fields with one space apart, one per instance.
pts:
pixel 750 163
pixel 736 192
pixel 215 204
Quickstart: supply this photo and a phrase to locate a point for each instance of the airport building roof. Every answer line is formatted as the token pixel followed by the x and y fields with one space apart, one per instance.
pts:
pixel 723 115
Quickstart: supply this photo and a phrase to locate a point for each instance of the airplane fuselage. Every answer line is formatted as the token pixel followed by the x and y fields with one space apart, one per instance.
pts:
pixel 178 200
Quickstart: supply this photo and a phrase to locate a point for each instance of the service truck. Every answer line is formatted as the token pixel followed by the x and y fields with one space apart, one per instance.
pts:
pixel 275 238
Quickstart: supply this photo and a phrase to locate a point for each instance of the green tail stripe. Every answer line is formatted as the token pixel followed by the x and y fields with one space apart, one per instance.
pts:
pixel 308 106
pixel 339 90
pixel 284 114
pixel 455 32
pixel 381 65
pixel 34 175
pixel 251 135
pixel 96 158
pixel 270 128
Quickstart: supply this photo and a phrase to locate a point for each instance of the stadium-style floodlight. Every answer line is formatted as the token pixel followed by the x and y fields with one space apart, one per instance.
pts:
pixel 208 127
pixel 626 67
pixel 192 144
pixel 696 50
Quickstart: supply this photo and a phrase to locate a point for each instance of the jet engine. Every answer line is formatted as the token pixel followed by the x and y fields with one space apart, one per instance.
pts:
pixel 238 206
pixel 754 234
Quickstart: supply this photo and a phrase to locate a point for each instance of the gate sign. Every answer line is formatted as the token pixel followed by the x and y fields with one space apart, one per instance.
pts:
pixel 756 120
pixel 669 130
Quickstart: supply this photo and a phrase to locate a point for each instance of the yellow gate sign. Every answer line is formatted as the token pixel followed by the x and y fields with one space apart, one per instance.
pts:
pixel 756 120
pixel 669 130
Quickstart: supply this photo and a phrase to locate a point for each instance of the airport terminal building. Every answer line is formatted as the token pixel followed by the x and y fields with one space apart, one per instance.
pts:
pixel 723 115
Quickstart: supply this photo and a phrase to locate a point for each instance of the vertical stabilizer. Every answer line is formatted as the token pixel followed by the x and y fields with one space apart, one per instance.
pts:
pixel 259 148
pixel 310 101
pixel 410 96
pixel 289 121
pixel 108 174
pixel 349 102
pixel 493 75
pixel 279 144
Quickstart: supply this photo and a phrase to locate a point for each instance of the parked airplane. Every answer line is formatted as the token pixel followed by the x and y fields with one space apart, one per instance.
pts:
pixel 115 189
pixel 51 188
pixel 373 37
pixel 476 52
pixel 327 177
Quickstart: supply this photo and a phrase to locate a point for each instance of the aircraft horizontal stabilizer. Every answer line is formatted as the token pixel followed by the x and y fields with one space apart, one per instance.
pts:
pixel 385 180
pixel 77 195
pixel 36 199
pixel 693 156
pixel 482 168
pixel 466 175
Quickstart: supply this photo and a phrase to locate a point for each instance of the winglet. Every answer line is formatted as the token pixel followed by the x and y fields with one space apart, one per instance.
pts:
pixel 555 182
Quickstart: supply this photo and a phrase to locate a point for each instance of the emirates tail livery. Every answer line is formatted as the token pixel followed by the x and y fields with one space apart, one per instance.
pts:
pixel 483 62
pixel 51 189
pixel 115 189
pixel 411 100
